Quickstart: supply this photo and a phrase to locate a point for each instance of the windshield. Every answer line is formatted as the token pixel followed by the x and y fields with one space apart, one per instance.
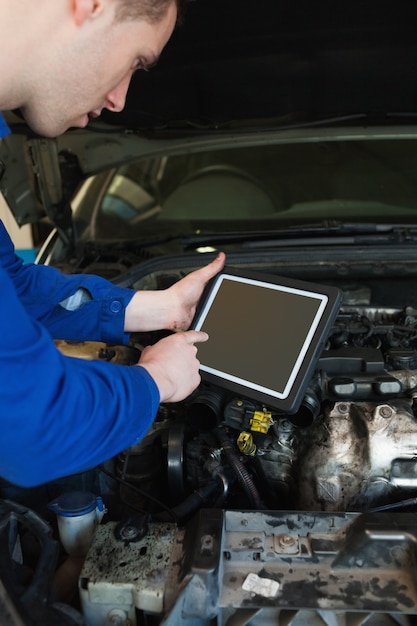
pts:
pixel 255 187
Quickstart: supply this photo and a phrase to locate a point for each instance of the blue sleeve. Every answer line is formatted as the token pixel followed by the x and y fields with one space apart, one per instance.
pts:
pixel 62 415
pixel 4 129
pixel 42 289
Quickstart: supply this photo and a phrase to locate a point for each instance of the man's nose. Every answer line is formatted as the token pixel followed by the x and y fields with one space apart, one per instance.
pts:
pixel 116 98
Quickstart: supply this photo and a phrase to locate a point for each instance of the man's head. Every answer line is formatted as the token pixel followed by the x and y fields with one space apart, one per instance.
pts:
pixel 69 60
pixel 149 10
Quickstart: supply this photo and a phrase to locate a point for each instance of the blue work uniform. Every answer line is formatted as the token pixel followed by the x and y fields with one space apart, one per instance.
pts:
pixel 61 415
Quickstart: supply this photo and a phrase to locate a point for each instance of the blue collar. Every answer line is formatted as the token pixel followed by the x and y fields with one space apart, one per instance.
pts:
pixel 4 129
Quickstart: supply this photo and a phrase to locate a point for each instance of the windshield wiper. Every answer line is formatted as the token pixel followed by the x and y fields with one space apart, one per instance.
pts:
pixel 190 126
pixel 337 234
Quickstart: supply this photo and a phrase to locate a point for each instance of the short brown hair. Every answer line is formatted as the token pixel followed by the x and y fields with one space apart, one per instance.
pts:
pixel 151 11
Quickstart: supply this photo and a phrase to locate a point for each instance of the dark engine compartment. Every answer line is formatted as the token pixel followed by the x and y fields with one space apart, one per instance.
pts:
pixel 218 478
pixel 350 447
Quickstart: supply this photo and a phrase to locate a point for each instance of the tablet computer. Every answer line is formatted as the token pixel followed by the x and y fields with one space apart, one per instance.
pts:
pixel 266 334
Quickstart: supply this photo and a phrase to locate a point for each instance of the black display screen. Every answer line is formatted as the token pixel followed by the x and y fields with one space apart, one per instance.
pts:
pixel 262 335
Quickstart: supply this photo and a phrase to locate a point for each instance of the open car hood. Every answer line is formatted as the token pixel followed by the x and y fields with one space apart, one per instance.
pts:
pixel 231 68
pixel 292 61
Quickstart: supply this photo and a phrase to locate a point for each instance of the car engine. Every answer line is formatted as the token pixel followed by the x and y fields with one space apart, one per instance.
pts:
pixel 351 446
pixel 230 513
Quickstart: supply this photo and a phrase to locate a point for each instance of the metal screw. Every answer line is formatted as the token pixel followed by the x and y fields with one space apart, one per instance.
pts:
pixel 385 411
pixel 129 532
pixel 342 407
pixel 286 541
pixel 207 544
pixel 117 617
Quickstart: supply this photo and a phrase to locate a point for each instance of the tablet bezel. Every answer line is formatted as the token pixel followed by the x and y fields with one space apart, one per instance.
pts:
pixel 288 401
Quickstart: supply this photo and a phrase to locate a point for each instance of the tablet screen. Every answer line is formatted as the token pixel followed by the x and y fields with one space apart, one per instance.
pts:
pixel 263 336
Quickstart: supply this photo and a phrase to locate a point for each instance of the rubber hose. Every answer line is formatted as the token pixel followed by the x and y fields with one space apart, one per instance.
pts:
pixel 239 469
pixel 189 505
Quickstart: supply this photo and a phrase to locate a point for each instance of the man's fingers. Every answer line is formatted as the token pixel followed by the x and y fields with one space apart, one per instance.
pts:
pixel 213 268
pixel 195 336
pixel 218 264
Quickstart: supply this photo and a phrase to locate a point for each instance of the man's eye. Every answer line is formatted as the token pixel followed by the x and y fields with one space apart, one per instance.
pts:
pixel 141 65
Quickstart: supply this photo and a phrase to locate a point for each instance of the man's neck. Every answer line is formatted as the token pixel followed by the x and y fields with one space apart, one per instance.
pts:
pixel 21 31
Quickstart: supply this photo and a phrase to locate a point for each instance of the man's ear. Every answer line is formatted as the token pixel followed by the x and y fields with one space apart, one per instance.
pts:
pixel 86 9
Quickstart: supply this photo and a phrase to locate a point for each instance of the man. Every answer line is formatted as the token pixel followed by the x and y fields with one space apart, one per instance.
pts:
pixel 61 62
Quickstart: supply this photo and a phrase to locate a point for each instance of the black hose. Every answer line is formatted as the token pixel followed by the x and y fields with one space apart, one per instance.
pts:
pixel 189 506
pixel 239 469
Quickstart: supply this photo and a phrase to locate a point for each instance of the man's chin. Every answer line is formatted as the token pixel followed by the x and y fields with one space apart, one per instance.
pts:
pixel 50 128
pixel 82 121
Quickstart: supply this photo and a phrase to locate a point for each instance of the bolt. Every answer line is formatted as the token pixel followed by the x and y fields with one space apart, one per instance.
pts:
pixel 117 617
pixel 207 544
pixel 129 532
pixel 342 407
pixel 244 522
pixel 286 541
pixel 385 411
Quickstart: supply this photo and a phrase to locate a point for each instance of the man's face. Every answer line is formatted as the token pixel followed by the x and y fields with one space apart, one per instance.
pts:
pixel 93 70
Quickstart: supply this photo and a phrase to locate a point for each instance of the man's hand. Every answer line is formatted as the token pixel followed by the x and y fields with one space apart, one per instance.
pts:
pixel 172 308
pixel 172 362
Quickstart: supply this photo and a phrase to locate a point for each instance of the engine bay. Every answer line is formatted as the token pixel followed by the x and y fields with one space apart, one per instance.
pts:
pixel 350 447
pixel 228 511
